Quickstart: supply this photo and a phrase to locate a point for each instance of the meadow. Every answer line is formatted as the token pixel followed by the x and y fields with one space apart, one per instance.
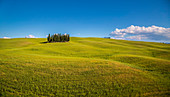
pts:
pixel 84 67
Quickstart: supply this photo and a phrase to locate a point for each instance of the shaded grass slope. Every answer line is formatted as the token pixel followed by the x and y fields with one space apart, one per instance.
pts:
pixel 84 67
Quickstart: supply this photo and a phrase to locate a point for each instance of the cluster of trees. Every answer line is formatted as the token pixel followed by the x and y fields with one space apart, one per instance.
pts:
pixel 58 38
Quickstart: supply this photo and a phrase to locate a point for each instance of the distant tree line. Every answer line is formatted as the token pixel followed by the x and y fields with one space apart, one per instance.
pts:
pixel 58 38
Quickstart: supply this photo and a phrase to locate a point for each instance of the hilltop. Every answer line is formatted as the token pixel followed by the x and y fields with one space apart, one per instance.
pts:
pixel 84 67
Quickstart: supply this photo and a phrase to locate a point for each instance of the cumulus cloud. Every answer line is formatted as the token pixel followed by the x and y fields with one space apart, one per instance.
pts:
pixel 142 33
pixel 6 38
pixel 30 36
pixel 137 37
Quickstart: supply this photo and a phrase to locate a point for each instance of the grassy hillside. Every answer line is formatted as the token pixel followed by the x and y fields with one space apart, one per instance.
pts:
pixel 84 67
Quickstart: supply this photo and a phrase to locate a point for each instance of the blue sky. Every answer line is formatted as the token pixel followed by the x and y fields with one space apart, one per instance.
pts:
pixel 80 18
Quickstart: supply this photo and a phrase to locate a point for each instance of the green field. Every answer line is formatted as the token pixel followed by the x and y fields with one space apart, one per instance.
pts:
pixel 84 67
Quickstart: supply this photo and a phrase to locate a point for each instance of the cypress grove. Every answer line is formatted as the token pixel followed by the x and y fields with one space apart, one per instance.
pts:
pixel 58 38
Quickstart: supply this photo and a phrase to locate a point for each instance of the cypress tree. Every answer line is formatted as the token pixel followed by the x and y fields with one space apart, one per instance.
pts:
pixel 55 38
pixel 68 37
pixel 48 38
pixel 59 37
pixel 65 37
pixel 62 38
pixel 52 38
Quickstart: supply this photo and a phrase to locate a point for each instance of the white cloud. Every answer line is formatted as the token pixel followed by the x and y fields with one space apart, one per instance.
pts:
pixel 6 38
pixel 137 37
pixel 117 38
pixel 30 36
pixel 142 33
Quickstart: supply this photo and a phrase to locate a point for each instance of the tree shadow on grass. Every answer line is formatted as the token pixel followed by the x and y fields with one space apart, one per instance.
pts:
pixel 43 42
pixel 53 42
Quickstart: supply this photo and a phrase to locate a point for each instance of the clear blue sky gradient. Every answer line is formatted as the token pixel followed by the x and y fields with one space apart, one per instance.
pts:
pixel 80 18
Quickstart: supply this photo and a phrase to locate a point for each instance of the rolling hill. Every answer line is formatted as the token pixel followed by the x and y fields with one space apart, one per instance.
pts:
pixel 84 67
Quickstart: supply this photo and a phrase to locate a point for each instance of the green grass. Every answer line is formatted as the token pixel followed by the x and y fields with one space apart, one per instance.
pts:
pixel 84 67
